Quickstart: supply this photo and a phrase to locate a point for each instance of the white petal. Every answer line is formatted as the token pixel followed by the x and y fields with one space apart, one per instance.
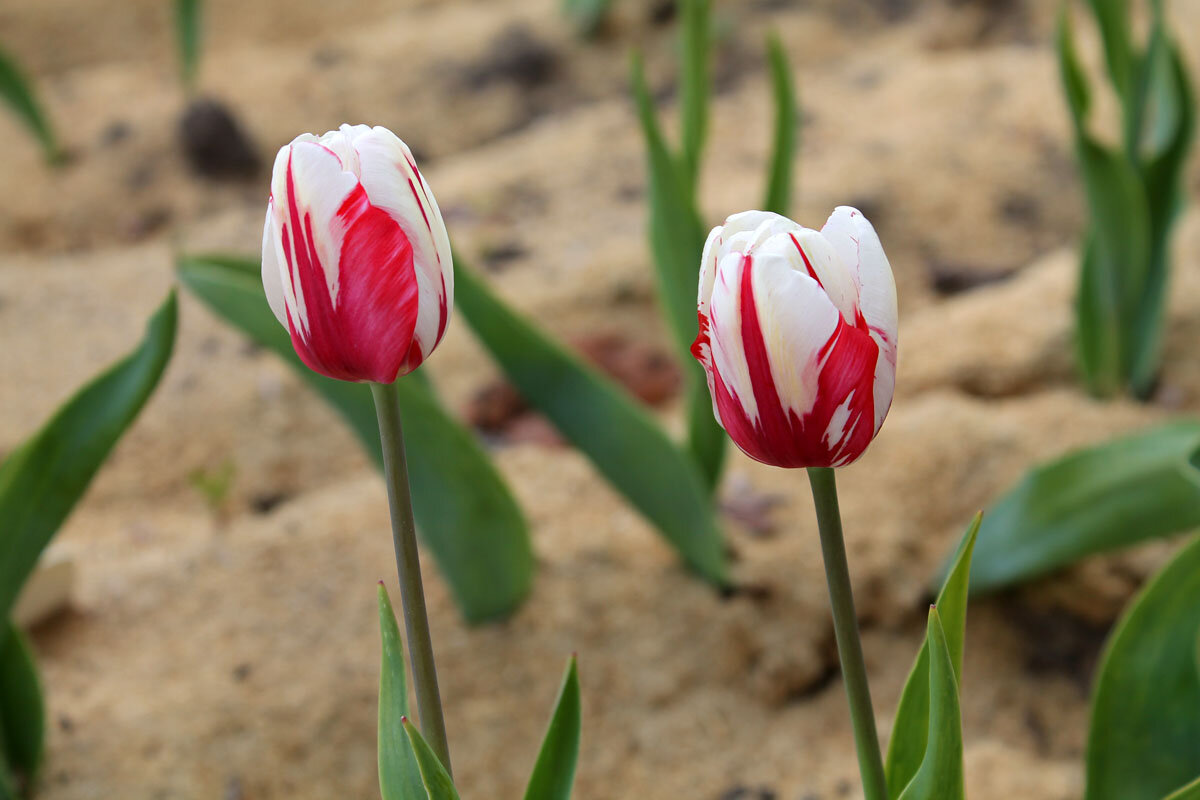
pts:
pixel 856 242
pixel 272 274
pixel 393 183
pixel 808 252
pixel 725 334
pixel 797 318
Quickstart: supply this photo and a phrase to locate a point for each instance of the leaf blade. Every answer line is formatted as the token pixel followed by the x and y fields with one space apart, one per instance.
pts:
pixel 22 707
pixel 465 512
pixel 779 176
pixel 399 775
pixel 554 772
pixel 1144 738
pixel 41 481
pixel 187 32
pixel 626 446
pixel 17 91
pixel 433 775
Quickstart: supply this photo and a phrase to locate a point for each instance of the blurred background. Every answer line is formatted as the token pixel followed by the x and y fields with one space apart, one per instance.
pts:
pixel 221 641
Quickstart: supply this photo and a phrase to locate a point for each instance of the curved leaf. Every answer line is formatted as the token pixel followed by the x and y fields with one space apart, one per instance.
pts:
pixel 910 730
pixel 1144 739
pixel 41 481
pixel 433 775
pixel 693 107
pixel 1102 498
pixel 940 776
pixel 628 448
pixel 22 709
pixel 464 510
pixel 399 776
pixel 17 91
pixel 554 772
pixel 779 182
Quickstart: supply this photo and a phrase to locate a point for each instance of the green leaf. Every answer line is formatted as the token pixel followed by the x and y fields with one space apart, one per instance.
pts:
pixel 696 31
pixel 22 710
pixel 1090 501
pixel 940 776
pixel 17 91
pixel 465 512
pixel 1189 792
pixel 188 30
pixel 779 182
pixel 910 730
pixel 1098 324
pixel 677 242
pixel 399 776
pixel 628 448
pixel 587 16
pixel 433 775
pixel 554 772
pixel 1144 740
pixel 41 481
pixel 1113 18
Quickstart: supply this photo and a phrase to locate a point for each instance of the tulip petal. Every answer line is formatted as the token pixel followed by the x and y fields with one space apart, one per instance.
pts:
pixel 857 244
pixel 272 272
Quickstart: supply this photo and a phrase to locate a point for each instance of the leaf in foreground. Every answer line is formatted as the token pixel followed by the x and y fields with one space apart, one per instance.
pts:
pixel 1144 740
pixel 17 92
pixel 399 776
pixel 433 775
pixel 22 709
pixel 554 772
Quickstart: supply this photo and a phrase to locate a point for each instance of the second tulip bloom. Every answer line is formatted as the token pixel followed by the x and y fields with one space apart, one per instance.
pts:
pixel 798 336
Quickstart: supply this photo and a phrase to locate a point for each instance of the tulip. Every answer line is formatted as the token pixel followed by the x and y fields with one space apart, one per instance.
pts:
pixel 798 336
pixel 356 259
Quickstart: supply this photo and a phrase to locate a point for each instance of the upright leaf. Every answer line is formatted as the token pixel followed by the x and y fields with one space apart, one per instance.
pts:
pixel 1138 487
pixel 1144 740
pixel 779 179
pixel 22 710
pixel 436 780
pixel 910 730
pixel 1189 792
pixel 677 242
pixel 627 447
pixel 587 16
pixel 399 776
pixel 554 772
pixel 464 511
pixel 695 82
pixel 940 776
pixel 188 31
pixel 41 481
pixel 17 92
pixel 1113 18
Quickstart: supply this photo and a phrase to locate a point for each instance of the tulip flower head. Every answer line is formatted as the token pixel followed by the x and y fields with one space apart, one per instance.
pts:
pixel 798 336
pixel 356 259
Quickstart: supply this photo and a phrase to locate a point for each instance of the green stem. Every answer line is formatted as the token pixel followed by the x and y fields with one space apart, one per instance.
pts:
pixel 408 565
pixel 845 627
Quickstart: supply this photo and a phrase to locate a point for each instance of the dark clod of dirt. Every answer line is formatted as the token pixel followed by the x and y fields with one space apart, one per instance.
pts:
pixel 215 144
pixel 662 12
pixel 267 502
pixel 647 372
pixel 746 793
pixel 497 257
pixel 116 132
pixel 495 406
pixel 1058 643
pixel 515 56
pixel 949 279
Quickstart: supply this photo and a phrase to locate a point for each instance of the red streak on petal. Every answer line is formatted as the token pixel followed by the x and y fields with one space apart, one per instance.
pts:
pixel 807 264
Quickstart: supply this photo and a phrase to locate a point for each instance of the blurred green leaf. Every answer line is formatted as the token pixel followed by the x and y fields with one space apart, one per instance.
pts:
pixel 1090 501
pixel 677 242
pixel 696 33
pixel 940 776
pixel 465 512
pixel 1189 792
pixel 41 481
pixel 587 16
pixel 17 91
pixel 910 730
pixel 1144 739
pixel 22 709
pixel 627 447
pixel 433 775
pixel 1113 19
pixel 554 772
pixel 779 182
pixel 399 776
pixel 188 30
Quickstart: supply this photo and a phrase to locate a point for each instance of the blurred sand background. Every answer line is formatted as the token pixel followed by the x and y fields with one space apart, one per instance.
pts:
pixel 232 652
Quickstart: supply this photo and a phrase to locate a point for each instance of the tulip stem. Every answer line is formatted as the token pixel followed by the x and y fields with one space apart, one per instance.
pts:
pixel 845 627
pixel 408 565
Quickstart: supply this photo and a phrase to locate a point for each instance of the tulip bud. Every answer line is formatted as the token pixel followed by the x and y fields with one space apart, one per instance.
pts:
pixel 798 336
pixel 356 259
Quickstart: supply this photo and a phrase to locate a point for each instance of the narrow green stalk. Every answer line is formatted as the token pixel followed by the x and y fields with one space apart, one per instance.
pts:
pixel 412 594
pixel 845 626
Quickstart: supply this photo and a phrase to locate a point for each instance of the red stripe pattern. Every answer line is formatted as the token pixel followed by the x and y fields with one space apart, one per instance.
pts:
pixel 801 371
pixel 356 260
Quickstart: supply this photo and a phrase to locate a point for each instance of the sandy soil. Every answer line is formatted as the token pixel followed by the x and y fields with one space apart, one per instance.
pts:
pixel 233 652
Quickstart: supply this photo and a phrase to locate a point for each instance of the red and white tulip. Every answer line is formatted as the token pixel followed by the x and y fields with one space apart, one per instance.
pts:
pixel 356 259
pixel 798 336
